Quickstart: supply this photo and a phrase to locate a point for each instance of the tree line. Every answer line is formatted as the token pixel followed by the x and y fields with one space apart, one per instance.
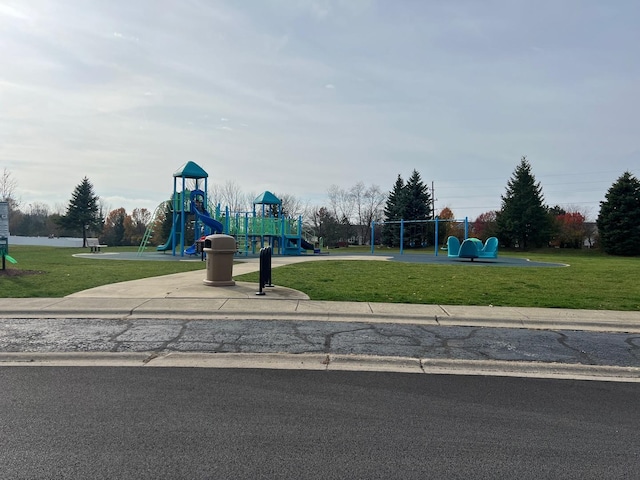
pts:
pixel 523 221
pixel 83 217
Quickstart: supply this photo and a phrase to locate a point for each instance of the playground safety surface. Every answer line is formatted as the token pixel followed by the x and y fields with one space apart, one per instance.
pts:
pixel 504 261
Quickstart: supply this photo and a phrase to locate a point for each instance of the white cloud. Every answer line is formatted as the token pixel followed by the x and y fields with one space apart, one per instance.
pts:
pixel 451 90
pixel 11 11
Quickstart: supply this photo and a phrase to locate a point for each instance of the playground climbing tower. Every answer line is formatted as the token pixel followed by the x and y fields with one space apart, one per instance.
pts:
pixel 181 200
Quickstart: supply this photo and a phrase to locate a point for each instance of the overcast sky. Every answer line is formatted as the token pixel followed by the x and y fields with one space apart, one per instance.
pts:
pixel 293 96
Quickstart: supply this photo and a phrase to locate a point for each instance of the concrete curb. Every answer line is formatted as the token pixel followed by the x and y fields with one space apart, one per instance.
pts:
pixel 322 362
pixel 147 313
pixel 77 359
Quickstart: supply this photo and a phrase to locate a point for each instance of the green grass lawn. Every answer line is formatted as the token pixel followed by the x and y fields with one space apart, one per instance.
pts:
pixel 592 281
pixel 56 273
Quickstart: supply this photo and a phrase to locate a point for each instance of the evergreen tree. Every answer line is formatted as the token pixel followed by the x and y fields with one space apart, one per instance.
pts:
pixel 619 217
pixel 417 206
pixel 325 226
pixel 346 230
pixel 393 211
pixel 523 219
pixel 408 201
pixel 83 212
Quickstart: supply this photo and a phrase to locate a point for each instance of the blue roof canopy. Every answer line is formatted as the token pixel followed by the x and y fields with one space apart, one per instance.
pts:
pixel 267 198
pixel 190 170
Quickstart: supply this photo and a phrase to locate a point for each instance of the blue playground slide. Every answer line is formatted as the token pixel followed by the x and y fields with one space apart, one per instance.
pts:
pixel 213 224
pixel 167 245
pixel 293 243
pixel 202 215
pixel 192 250
pixel 306 245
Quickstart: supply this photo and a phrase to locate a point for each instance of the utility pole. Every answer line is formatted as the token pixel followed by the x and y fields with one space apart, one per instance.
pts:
pixel 433 201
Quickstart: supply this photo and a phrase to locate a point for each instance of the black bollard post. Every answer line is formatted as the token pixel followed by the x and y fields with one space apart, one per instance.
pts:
pixel 261 281
pixel 267 279
pixel 265 269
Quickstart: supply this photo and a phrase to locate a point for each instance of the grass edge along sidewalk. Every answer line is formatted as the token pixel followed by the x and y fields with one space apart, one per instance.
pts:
pixel 591 281
pixel 603 284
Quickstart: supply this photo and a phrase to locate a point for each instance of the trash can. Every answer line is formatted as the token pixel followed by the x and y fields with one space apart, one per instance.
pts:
pixel 220 250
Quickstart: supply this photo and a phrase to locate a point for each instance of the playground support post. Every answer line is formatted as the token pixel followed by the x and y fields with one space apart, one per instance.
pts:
pixel 373 230
pixel 436 242
pixel 227 219
pixel 248 241
pixel 299 234
pixel 283 236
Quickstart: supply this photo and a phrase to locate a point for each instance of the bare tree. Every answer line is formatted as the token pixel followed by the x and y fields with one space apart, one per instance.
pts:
pixel 342 202
pixel 248 201
pixel 360 205
pixel 231 195
pixel 214 195
pixel 291 205
pixel 368 203
pixel 38 209
pixel 8 187
pixel 104 208
pixel 59 208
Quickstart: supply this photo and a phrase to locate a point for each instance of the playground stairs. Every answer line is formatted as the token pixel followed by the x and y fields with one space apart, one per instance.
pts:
pixel 148 233
pixel 291 249
pixel 309 236
pixel 241 242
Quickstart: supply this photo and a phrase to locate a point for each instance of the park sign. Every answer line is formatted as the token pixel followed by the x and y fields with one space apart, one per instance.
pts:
pixel 4 220
pixel 4 235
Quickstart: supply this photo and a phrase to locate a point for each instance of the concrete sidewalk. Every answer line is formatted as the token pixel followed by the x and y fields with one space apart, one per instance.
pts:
pixel 184 298
pixel 184 295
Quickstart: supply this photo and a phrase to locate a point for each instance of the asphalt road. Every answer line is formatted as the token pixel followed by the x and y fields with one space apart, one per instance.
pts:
pixel 156 423
pixel 264 336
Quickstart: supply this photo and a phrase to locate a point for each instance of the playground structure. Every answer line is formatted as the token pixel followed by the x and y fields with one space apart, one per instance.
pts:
pixel 472 248
pixel 436 222
pixel 252 230
pixel 4 235
pixel 257 229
